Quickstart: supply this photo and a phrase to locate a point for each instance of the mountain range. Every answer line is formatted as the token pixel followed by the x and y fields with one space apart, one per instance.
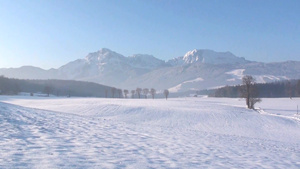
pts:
pixel 196 70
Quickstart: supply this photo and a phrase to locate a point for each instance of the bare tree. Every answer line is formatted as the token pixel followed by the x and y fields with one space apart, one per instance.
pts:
pixel 153 92
pixel 132 93
pixel 125 92
pixel 113 91
pixel 253 101
pixel 119 92
pixel 249 91
pixel 138 91
pixel 166 93
pixel 145 92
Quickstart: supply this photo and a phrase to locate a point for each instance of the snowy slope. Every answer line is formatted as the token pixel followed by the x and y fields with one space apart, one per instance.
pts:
pixel 183 77
pixel 179 87
pixel 119 133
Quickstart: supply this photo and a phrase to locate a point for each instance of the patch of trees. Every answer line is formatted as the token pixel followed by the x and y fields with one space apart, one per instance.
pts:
pixel 68 88
pixel 9 86
pixel 132 93
pixel 153 92
pixel 144 93
pixel 126 92
pixel 288 88
pixel 138 91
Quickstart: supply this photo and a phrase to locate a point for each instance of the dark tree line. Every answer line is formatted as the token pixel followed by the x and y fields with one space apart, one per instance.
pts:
pixel 68 88
pixel 9 86
pixel 267 90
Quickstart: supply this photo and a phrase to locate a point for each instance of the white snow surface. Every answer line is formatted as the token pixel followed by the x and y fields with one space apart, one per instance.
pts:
pixel 144 133
pixel 178 88
pixel 237 73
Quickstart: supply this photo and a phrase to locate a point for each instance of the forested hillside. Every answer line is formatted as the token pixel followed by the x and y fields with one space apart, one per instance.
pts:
pixel 289 88
pixel 54 87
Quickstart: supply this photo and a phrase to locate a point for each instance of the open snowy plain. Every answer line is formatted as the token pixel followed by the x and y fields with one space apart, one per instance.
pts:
pixel 204 132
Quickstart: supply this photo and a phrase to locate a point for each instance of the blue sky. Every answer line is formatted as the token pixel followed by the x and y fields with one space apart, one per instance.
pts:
pixel 50 33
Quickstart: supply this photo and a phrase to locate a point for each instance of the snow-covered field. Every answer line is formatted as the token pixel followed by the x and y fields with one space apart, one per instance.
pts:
pixel 40 132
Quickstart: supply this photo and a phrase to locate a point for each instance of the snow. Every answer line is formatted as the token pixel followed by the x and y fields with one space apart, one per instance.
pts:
pixel 269 78
pixel 175 88
pixel 284 107
pixel 144 133
pixel 211 57
pixel 178 88
pixel 237 73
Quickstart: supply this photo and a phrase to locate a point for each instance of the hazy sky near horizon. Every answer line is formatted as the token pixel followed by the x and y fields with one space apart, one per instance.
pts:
pixel 50 33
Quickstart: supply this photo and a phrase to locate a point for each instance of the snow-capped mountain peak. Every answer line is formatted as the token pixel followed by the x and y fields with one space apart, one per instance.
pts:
pixel 211 57
pixel 207 56
pixel 103 55
pixel 193 56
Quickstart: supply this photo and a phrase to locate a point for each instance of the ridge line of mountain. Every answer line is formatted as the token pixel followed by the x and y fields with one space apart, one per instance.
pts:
pixel 197 69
